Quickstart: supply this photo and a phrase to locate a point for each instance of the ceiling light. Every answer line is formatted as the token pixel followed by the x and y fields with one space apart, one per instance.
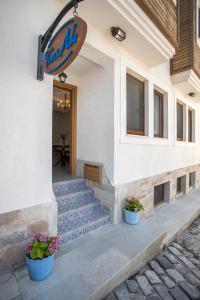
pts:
pixel 118 33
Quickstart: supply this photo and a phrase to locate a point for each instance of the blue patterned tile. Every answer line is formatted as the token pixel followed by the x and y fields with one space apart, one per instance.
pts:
pixel 75 200
pixel 67 187
pixel 79 211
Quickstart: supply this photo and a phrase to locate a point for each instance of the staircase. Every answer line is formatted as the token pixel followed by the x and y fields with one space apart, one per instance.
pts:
pixel 78 211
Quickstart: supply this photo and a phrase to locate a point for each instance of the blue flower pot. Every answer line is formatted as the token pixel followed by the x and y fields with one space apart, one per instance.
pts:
pixel 39 269
pixel 132 217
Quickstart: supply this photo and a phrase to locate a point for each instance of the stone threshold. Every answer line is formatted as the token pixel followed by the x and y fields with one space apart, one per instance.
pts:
pixel 92 266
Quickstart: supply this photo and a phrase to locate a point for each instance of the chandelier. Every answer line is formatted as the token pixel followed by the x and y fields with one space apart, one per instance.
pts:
pixel 63 105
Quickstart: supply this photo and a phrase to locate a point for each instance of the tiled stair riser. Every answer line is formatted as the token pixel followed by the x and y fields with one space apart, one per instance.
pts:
pixel 79 211
pixel 78 232
pixel 68 187
pixel 74 200
pixel 78 217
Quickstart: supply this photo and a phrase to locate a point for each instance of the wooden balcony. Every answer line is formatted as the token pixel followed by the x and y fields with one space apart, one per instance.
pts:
pixel 187 55
pixel 163 13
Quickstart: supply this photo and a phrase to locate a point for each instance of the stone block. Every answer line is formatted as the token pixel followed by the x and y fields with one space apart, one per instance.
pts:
pixel 12 237
pixel 192 279
pixel 144 285
pixel 175 275
pixel 8 286
pixel 177 293
pixel 154 297
pixel 168 282
pixel 9 218
pixel 12 255
pixel 163 292
pixel 190 290
pixel 137 296
pixel 187 262
pixel 156 267
pixel 122 294
pixel 174 251
pixel 36 227
pixel 133 286
pixel 171 257
pixel 152 277
pixel 164 262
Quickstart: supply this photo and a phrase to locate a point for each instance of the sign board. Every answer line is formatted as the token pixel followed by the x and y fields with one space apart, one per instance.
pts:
pixel 65 46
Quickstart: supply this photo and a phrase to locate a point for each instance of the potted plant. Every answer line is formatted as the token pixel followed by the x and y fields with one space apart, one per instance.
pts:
pixel 132 210
pixel 40 255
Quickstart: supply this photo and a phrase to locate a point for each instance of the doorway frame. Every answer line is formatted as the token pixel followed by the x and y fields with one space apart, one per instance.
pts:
pixel 73 122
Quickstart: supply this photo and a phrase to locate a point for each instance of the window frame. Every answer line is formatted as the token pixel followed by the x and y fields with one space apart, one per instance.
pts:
pixel 190 125
pixel 134 131
pixel 161 113
pixel 180 139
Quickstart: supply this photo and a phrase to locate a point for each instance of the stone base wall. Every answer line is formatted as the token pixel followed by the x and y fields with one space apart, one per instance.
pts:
pixel 17 227
pixel 114 196
pixel 144 189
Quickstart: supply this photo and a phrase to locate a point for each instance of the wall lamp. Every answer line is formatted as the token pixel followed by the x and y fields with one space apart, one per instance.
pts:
pixel 62 76
pixel 118 33
pixel 192 94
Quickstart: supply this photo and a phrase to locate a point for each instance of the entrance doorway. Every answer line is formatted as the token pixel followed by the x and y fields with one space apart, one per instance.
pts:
pixel 64 131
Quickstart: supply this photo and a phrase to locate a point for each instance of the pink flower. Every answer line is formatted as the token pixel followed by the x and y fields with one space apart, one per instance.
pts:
pixel 55 245
pixel 41 237
pixel 28 248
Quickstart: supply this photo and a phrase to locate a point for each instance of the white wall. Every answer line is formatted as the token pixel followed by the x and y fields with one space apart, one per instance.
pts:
pixel 26 105
pixel 139 157
pixel 26 111
pixel 96 117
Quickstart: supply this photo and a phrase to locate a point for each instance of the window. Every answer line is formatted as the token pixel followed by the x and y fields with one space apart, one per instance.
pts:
pixel 135 106
pixel 191 179
pixel 161 193
pixel 181 185
pixel 158 114
pixel 190 125
pixel 158 194
pixel 179 188
pixel 179 122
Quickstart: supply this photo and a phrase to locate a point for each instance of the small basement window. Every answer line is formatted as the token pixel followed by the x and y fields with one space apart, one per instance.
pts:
pixel 161 193
pixel 192 176
pixel 181 185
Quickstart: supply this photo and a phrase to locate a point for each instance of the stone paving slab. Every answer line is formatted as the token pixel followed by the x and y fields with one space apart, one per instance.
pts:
pixel 173 275
pixel 93 266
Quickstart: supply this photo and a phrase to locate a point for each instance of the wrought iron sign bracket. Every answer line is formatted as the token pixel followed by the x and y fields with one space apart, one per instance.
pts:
pixel 43 40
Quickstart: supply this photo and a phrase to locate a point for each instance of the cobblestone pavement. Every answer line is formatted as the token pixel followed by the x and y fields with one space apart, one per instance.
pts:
pixel 173 274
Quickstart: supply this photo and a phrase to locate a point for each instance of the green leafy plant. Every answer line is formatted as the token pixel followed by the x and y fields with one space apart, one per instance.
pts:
pixel 41 246
pixel 133 204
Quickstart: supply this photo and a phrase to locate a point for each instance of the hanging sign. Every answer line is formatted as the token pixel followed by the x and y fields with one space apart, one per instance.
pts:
pixel 65 46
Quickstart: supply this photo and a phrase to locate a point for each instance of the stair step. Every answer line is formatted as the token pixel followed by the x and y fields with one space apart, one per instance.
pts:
pixel 69 186
pixel 75 200
pixel 80 231
pixel 78 217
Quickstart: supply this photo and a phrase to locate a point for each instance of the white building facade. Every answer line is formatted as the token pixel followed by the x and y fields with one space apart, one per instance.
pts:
pixel 156 149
